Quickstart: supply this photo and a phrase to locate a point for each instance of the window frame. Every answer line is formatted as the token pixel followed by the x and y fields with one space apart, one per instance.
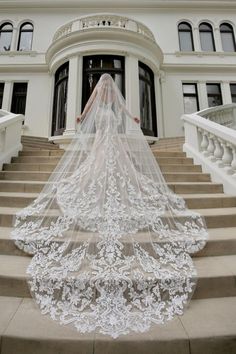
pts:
pixel 213 95
pixel 12 97
pixel 196 95
pixel 6 31
pixel 231 31
pixel 207 31
pixel 21 30
pixel 186 31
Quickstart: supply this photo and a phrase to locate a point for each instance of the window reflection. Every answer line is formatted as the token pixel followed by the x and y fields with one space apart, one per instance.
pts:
pixel 147 100
pixel 5 36
pixel 214 95
pixel 190 98
pixel 25 37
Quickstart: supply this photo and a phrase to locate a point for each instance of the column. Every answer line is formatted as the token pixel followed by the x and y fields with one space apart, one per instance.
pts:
pixel 73 94
pixel 14 39
pixel 226 93
pixel 7 96
pixel 159 107
pixel 132 86
pixel 202 93
pixel 218 43
pixel 196 39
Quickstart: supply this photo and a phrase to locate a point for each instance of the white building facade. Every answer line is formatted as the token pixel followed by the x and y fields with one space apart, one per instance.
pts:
pixel 168 58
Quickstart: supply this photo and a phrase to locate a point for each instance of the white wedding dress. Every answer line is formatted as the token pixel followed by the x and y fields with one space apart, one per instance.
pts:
pixel 111 242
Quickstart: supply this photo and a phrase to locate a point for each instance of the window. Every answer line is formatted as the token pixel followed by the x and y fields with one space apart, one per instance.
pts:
pixel 25 37
pixel 227 37
pixel 5 36
pixel 233 92
pixel 206 37
pixel 214 95
pixel 190 94
pixel 19 94
pixel 185 37
pixel 96 65
pixel 147 100
pixel 60 99
pixel 1 93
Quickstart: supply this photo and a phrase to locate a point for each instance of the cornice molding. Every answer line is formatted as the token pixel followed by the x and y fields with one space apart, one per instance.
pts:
pixel 19 4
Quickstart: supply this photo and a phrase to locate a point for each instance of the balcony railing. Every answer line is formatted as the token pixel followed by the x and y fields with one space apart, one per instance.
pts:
pixel 103 22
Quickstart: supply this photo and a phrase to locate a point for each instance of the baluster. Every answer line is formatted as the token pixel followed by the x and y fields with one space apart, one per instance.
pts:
pixel 218 153
pixel 226 158
pixel 233 163
pixel 211 147
pixel 204 144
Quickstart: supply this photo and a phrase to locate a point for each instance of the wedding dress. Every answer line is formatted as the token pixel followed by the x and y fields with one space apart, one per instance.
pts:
pixel 110 241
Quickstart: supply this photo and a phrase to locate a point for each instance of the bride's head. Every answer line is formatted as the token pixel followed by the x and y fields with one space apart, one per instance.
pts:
pixel 106 88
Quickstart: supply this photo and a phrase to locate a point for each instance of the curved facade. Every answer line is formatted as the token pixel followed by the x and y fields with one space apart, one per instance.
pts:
pixel 165 61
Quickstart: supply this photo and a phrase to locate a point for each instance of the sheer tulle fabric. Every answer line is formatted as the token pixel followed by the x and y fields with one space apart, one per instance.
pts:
pixel 110 241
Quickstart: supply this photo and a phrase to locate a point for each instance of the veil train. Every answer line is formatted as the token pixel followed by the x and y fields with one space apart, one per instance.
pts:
pixel 110 241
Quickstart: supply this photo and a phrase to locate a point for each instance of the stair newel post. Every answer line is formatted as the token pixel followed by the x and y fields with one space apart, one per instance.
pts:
pixel 226 158
pixel 218 153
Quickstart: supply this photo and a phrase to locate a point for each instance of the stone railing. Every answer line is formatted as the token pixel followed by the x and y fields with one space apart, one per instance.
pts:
pixel 10 135
pixel 224 115
pixel 213 146
pixel 103 21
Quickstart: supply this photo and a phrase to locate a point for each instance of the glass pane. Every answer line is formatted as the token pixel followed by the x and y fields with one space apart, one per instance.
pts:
pixel 205 27
pixel 185 41
pixel 233 89
pixel 207 41
pixel 145 105
pixel 25 41
pixel 228 42
pixel 233 98
pixel 1 93
pixel 5 41
pixel 190 105
pixel 27 27
pixel 225 27
pixel 189 88
pixel 213 88
pixel 19 98
pixel 214 101
pixel 184 27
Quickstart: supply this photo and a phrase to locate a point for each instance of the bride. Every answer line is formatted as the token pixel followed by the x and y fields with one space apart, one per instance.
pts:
pixel 110 241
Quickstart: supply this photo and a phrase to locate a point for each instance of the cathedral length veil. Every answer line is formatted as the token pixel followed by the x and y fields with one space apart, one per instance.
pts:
pixel 110 241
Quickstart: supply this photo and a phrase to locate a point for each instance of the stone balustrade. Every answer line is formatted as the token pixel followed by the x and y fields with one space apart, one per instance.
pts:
pixel 213 146
pixel 10 135
pixel 108 21
pixel 224 115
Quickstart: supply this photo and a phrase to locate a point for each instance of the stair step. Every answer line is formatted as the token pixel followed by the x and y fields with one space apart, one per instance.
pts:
pixel 193 201
pixel 40 152
pixel 50 167
pixel 38 334
pixel 222 241
pixel 216 276
pixel 217 217
pixel 169 153
pixel 178 187
pixel 44 176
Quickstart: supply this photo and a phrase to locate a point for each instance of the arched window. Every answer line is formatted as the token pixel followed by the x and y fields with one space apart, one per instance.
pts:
pixel 5 36
pixel 147 100
pixel 227 37
pixel 206 37
pixel 60 100
pixel 96 65
pixel 185 37
pixel 25 36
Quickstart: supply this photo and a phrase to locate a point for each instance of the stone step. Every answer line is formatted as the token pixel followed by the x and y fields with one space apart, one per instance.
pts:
pixel 216 276
pixel 40 152
pixel 217 217
pixel 222 242
pixel 24 330
pixel 178 187
pixel 169 153
pixel 193 201
pixel 43 146
pixel 50 167
pixel 44 176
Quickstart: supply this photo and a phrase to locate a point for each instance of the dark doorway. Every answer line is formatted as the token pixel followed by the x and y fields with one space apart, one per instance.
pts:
pixel 19 94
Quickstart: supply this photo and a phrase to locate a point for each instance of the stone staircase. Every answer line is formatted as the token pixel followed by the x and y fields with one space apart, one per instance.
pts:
pixel 208 325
